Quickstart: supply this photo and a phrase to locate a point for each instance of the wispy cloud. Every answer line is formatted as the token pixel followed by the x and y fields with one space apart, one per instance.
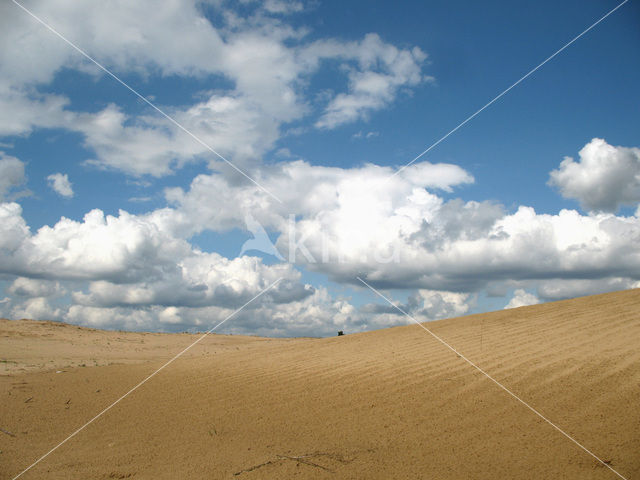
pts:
pixel 59 183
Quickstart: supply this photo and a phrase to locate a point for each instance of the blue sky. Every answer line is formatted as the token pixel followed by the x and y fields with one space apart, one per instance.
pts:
pixel 114 218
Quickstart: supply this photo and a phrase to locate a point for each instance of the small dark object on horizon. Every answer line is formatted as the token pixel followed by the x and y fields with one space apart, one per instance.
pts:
pixel 340 332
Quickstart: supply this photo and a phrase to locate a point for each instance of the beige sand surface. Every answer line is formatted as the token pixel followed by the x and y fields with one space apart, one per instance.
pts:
pixel 389 404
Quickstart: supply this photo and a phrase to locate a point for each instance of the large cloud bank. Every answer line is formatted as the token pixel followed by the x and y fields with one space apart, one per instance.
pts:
pixel 406 232
pixel 396 232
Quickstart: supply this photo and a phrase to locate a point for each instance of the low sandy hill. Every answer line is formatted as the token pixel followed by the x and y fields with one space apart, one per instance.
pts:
pixel 388 404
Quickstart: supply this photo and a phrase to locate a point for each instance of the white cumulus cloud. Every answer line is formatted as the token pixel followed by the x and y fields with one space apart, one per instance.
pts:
pixel 399 232
pixel 31 287
pixel 604 179
pixel 130 261
pixel 60 184
pixel 377 72
pixel 267 65
pixel 37 308
pixel 522 298
pixel 561 289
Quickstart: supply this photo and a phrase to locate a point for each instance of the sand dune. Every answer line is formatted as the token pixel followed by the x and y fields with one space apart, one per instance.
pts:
pixel 388 404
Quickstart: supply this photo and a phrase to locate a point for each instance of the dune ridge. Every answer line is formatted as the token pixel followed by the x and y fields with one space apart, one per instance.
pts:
pixel 391 403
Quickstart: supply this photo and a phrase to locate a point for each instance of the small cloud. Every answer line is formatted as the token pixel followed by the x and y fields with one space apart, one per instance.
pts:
pixel 140 199
pixel 29 287
pixel 60 184
pixel 295 131
pixel 522 298
pixel 283 7
pixel 138 182
pixel 605 177
pixel 383 72
pixel 284 153
pixel 11 174
pixel 365 136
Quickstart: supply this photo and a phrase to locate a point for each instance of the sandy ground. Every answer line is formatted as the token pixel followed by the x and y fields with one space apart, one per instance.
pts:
pixel 389 404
